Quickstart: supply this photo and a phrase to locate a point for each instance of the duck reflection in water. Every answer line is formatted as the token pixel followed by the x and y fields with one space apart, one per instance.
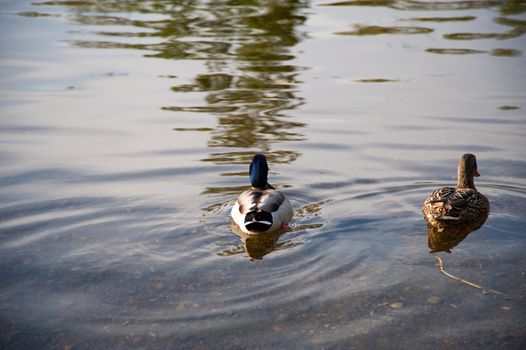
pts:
pixel 444 239
pixel 257 246
pixel 451 213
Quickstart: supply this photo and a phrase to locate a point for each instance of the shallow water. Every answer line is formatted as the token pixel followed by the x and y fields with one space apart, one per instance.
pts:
pixel 127 129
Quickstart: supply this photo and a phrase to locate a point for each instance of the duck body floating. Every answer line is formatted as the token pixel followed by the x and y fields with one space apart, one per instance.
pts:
pixel 461 205
pixel 262 209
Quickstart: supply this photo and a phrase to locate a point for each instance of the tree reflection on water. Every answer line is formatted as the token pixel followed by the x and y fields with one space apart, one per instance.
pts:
pixel 252 82
pixel 249 82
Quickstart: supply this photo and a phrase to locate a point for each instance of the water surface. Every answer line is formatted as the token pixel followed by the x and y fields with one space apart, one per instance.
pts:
pixel 126 133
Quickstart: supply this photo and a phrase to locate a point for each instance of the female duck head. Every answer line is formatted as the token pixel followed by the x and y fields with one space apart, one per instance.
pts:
pixel 467 170
pixel 258 171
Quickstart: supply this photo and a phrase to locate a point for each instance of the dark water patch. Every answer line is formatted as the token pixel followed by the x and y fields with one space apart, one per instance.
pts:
pixel 471 36
pixel 511 22
pixel 377 80
pixel 443 19
pixel 272 68
pixel 201 109
pixel 197 50
pixel 255 54
pixel 362 3
pixel 65 3
pixel 207 82
pixel 508 108
pixel 253 96
pixel 37 14
pixel 454 51
pixel 264 83
pixel 514 33
pixel 216 81
pixel 224 25
pixel 411 5
pixel 191 50
pixel 506 53
pixel 378 30
pixel 515 7
pixel 99 20
pixel 518 27
pixel 110 45
pixel 256 131
pixel 125 34
pixel 193 129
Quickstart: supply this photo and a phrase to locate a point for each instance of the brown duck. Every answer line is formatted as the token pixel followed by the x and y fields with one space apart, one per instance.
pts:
pixel 460 206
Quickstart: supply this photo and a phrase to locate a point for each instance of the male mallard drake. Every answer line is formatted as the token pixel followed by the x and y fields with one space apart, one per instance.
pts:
pixel 463 205
pixel 261 209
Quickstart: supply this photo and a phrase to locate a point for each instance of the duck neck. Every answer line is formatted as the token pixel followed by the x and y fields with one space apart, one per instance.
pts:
pixel 258 172
pixel 465 181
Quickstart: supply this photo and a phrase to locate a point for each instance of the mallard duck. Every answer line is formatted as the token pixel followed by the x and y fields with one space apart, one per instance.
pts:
pixel 261 209
pixel 463 205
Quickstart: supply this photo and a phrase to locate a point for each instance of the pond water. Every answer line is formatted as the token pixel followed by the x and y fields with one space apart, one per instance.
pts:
pixel 127 128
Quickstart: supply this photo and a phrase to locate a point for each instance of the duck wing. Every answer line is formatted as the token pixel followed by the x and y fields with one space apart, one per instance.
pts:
pixel 444 204
pixel 449 203
pixel 271 200
pixel 260 200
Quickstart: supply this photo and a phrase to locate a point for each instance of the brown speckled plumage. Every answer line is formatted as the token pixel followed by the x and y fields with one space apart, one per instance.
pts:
pixel 463 205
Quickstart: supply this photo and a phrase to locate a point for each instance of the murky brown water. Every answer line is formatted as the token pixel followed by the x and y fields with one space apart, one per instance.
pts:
pixel 126 132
